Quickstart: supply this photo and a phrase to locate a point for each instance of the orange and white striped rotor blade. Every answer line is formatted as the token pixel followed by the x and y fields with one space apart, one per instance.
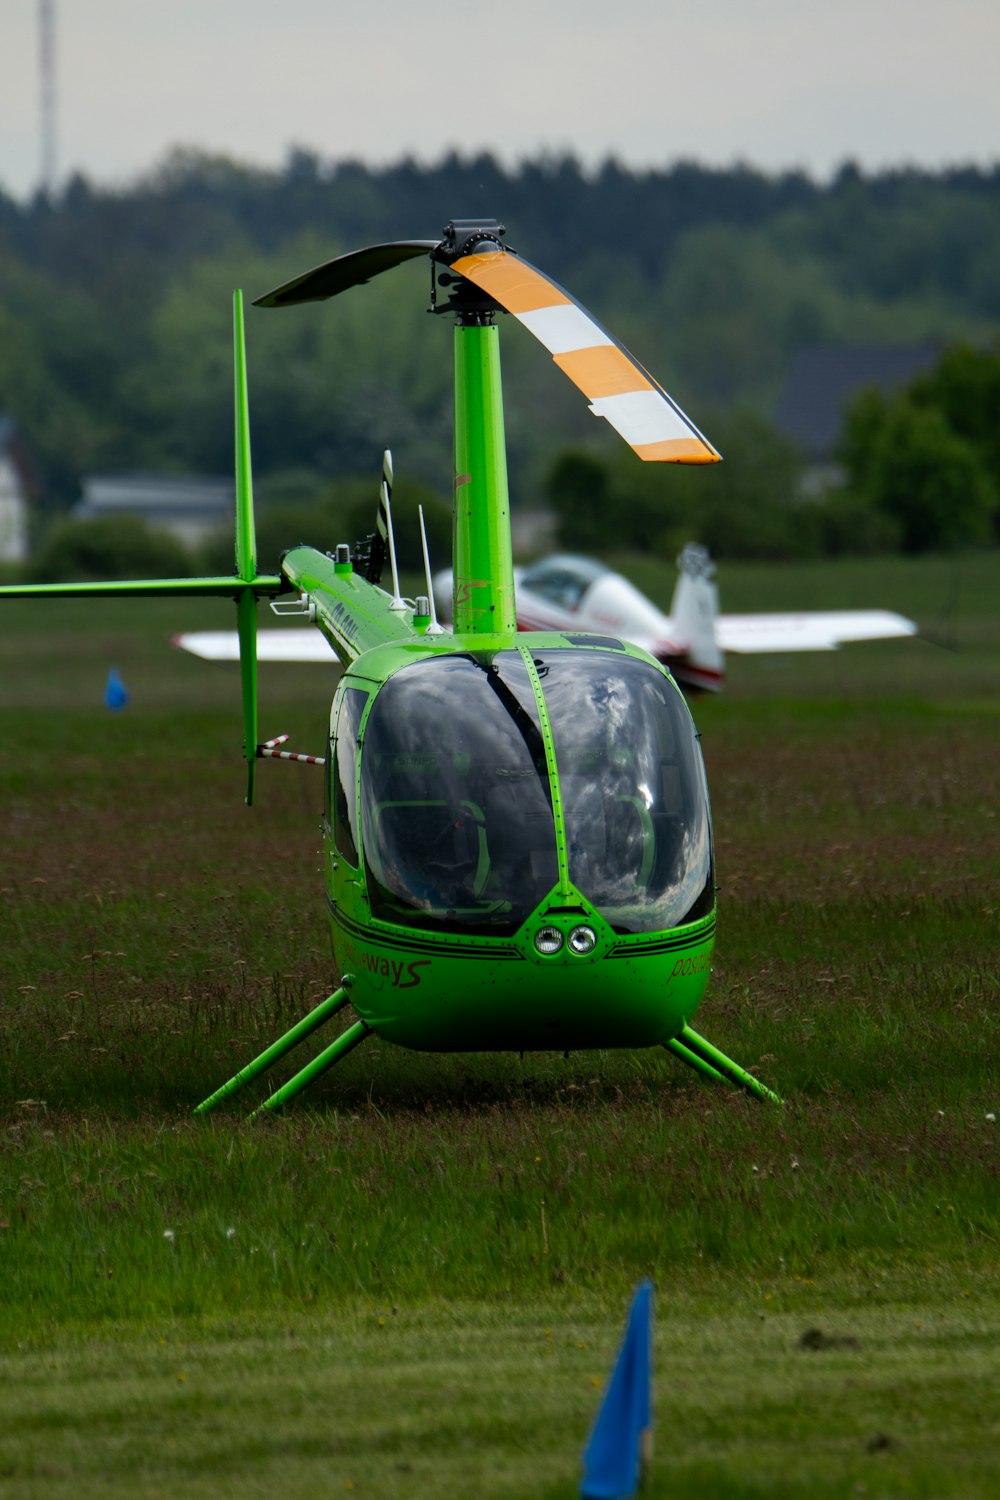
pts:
pixel 614 383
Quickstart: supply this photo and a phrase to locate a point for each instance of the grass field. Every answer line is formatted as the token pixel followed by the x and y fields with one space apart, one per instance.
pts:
pixel 414 1282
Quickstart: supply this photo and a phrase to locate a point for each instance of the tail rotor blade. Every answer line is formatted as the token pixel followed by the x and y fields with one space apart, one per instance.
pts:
pixel 246 538
pixel 246 626
pixel 246 550
pixel 614 382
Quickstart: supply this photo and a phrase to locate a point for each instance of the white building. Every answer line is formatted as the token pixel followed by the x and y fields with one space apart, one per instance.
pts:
pixel 189 506
pixel 18 487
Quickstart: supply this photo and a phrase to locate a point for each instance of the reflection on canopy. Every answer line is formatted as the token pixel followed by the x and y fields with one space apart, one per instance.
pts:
pixel 457 814
pixel 633 790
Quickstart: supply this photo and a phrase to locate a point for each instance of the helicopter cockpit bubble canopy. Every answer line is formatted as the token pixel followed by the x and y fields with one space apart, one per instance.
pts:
pixel 459 797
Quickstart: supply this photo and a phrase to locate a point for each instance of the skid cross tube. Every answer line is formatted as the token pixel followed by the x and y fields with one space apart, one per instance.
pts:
pixel 698 1053
pixel 693 1061
pixel 345 1043
pixel 327 1008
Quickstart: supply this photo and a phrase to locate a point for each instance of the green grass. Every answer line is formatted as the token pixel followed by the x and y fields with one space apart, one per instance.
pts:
pixel 414 1281
pixel 466 1400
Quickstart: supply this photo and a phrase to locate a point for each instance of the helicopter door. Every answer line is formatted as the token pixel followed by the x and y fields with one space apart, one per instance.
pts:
pixel 343 773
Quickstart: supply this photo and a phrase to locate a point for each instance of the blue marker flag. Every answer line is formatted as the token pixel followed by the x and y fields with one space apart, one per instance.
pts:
pixel 116 693
pixel 613 1457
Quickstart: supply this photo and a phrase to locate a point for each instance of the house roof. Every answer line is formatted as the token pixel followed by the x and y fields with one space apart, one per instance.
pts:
pixel 162 497
pixel 822 382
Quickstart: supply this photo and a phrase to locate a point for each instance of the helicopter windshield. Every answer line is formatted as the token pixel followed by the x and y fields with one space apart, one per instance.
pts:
pixel 459 832
pixel 456 804
pixel 635 804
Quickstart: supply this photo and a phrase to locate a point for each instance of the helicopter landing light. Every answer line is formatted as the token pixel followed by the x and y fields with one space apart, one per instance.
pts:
pixel 548 940
pixel 582 940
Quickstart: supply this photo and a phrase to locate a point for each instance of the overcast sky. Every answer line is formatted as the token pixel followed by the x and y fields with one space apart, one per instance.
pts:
pixel 777 83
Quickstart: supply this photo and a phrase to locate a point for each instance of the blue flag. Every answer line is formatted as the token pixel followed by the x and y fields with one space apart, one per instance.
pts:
pixel 612 1459
pixel 116 693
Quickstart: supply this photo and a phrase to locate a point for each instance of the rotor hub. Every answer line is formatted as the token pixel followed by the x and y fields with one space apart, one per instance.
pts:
pixel 470 237
pixel 470 305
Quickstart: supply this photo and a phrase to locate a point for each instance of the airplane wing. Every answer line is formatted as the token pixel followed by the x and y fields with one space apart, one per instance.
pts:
pixel 808 631
pixel 740 634
pixel 272 645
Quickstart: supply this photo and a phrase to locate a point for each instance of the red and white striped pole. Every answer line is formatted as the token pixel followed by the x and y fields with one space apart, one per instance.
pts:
pixel 269 751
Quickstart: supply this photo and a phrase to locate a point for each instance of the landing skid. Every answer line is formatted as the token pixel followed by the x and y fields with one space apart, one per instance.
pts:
pixel 689 1047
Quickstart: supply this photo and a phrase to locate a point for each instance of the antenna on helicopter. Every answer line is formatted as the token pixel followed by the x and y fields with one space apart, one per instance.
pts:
pixel 368 554
pixel 433 628
pixel 385 520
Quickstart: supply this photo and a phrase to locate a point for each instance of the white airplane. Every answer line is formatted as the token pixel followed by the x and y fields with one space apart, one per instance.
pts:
pixel 577 594
pixel 565 592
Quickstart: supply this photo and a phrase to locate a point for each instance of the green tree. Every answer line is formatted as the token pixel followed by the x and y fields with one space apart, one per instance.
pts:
pixel 927 461
pixel 965 387
pixel 578 491
pixel 749 505
pixel 744 507
pixel 850 524
pixel 290 512
pixel 930 480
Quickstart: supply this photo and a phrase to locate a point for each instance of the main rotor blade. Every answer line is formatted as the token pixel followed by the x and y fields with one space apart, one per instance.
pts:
pixel 614 382
pixel 347 270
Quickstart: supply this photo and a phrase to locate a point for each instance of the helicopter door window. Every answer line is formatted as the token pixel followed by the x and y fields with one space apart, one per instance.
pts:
pixel 456 806
pixel 343 773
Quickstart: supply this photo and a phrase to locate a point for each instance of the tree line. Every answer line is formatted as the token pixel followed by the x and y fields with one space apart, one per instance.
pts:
pixel 919 471
pixel 115 345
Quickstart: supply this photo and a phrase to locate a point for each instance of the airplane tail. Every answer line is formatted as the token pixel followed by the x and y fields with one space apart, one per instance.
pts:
pixel 693 613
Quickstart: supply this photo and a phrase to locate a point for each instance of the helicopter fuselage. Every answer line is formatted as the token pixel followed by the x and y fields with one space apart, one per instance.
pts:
pixel 517 844
pixel 517 836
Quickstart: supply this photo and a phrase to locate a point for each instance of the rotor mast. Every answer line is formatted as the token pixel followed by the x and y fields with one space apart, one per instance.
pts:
pixel 483 602
pixel 483 562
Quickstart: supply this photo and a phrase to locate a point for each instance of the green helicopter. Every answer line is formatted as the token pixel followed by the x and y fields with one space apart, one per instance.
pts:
pixel 517 840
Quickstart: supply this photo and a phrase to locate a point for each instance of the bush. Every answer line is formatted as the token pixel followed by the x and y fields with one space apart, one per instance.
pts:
pixel 746 506
pixel 108 548
pixel 287 516
pixel 851 526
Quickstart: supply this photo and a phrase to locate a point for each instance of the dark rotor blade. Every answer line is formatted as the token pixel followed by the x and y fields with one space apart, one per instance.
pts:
pixel 347 270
